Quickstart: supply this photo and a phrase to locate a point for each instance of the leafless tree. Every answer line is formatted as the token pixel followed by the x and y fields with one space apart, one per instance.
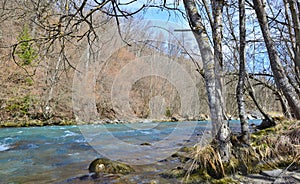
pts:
pixel 280 76
pixel 242 74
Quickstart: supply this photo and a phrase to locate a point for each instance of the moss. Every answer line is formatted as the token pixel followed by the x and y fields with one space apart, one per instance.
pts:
pixel 10 124
pixel 270 148
pixel 104 165
pixel 187 149
pixel 67 122
pixel 259 133
pixel 199 177
pixel 203 177
pixel 225 180
pixel 270 130
pixel 183 157
pixel 174 173
pixel 265 132
pixel 33 123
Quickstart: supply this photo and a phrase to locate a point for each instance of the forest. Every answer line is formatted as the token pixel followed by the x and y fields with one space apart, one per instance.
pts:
pixel 70 62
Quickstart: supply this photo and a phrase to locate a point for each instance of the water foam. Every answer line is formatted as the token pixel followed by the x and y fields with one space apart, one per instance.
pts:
pixel 4 147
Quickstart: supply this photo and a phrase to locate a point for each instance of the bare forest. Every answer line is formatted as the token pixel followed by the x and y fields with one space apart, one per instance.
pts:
pixel 113 61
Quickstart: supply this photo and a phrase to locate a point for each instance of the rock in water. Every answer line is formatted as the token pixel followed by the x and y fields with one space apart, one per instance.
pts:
pixel 145 144
pixel 104 165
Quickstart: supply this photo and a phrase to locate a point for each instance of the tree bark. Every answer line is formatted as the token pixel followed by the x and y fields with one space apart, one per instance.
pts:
pixel 242 74
pixel 285 109
pixel 219 125
pixel 296 26
pixel 276 66
pixel 217 33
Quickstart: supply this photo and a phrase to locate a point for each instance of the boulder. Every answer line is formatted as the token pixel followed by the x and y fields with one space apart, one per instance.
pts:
pixel 104 165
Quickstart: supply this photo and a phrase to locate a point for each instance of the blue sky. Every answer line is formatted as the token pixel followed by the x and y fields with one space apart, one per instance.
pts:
pixel 170 20
pixel 256 59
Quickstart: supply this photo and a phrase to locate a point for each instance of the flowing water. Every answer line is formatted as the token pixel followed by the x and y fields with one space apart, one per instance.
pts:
pixel 56 154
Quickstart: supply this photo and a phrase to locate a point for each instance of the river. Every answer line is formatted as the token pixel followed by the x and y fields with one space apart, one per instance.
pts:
pixel 56 154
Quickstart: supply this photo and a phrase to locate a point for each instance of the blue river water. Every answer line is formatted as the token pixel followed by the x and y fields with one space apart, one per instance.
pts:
pixel 53 154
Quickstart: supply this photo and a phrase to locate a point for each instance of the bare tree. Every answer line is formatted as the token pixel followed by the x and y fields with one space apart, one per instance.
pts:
pixel 296 25
pixel 280 76
pixel 242 74
pixel 220 127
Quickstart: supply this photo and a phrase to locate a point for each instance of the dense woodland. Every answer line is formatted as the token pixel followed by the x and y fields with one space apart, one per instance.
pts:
pixel 250 58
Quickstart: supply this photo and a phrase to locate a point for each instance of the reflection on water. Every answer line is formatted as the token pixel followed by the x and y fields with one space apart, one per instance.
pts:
pixel 55 154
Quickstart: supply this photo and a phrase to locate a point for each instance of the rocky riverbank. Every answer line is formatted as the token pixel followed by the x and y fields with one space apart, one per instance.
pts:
pixel 272 157
pixel 61 122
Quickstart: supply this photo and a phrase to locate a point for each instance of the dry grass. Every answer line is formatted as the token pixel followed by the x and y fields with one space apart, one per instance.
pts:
pixel 276 147
pixel 207 159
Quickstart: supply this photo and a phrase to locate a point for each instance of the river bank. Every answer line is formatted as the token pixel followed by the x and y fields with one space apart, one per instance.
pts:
pixel 27 122
pixel 273 157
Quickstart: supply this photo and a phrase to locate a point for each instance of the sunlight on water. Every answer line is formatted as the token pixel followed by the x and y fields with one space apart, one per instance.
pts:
pixel 54 154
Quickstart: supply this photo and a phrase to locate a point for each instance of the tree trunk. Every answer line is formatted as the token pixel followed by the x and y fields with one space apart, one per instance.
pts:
pixel 219 125
pixel 267 121
pixel 217 7
pixel 217 33
pixel 242 75
pixel 285 109
pixel 296 26
pixel 276 66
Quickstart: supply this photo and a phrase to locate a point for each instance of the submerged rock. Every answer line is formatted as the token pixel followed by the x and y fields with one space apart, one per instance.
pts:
pixel 104 165
pixel 145 144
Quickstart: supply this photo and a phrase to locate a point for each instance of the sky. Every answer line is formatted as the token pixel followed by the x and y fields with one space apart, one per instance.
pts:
pixel 170 20
pixel 167 18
